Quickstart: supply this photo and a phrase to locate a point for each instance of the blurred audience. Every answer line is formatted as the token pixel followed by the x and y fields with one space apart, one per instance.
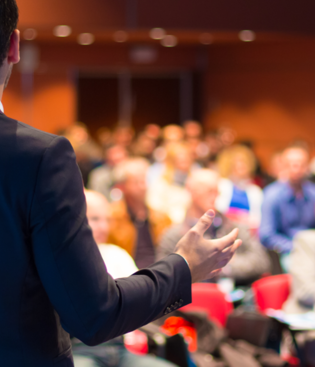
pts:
pixel 119 264
pixel 288 206
pixel 250 261
pixel 134 226
pixel 101 179
pixel 238 197
pixel 88 153
pixel 168 193
pixel 172 134
pixel 123 135
pixel 302 269
pixel 194 137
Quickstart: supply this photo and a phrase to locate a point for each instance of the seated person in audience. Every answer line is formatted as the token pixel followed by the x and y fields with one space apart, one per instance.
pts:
pixel 239 198
pixel 289 205
pixel 101 179
pixel 87 151
pixel 302 269
pixel 119 264
pixel 250 260
pixel 168 193
pixel 134 226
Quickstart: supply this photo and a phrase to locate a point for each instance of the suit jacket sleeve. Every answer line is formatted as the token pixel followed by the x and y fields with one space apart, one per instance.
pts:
pixel 91 305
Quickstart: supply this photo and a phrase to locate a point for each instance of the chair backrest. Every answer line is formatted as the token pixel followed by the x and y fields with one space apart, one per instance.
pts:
pixel 208 297
pixel 272 291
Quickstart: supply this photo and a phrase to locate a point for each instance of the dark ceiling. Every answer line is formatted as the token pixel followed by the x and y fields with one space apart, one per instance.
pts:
pixel 258 15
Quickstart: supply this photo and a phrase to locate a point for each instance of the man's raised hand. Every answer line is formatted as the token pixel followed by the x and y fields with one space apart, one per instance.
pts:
pixel 205 257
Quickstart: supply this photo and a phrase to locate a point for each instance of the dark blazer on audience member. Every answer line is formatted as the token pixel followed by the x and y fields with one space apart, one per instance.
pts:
pixel 51 271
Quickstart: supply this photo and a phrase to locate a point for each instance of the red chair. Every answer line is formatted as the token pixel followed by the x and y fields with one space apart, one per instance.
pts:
pixel 208 297
pixel 272 291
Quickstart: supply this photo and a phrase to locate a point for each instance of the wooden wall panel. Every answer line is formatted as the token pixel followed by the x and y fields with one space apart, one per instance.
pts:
pixel 265 93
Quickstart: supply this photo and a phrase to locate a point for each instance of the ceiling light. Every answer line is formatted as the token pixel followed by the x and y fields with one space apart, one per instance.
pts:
pixel 247 36
pixel 86 39
pixel 29 34
pixel 206 38
pixel 157 33
pixel 62 31
pixel 169 41
pixel 120 36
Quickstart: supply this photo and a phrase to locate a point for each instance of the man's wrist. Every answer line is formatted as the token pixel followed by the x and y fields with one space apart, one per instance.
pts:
pixel 184 259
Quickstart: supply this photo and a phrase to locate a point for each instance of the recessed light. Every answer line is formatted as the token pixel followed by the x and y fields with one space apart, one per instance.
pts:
pixel 157 33
pixel 86 39
pixel 62 31
pixel 169 41
pixel 29 34
pixel 206 38
pixel 247 36
pixel 120 36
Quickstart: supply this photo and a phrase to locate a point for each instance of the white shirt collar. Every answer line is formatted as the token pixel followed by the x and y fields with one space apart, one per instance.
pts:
pixel 1 107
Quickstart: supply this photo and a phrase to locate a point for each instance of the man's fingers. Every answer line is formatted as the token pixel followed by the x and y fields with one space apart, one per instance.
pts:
pixel 229 252
pixel 204 222
pixel 227 240
pixel 234 246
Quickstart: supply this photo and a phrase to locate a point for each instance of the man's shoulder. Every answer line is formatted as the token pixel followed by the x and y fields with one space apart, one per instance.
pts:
pixel 310 187
pixel 275 188
pixel 25 135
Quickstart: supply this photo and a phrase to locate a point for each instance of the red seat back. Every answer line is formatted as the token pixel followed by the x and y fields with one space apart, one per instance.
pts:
pixel 272 291
pixel 208 297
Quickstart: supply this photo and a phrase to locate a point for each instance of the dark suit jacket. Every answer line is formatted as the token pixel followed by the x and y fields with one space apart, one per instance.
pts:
pixel 51 271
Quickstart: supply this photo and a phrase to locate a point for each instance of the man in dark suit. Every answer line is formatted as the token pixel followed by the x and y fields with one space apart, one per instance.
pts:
pixel 52 278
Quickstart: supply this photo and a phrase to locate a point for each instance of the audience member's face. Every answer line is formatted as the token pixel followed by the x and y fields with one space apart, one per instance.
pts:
pixel 204 195
pixel 116 155
pixel 123 136
pixel 240 168
pixel 295 162
pixel 98 218
pixel 135 186
pixel 192 130
pixel 183 160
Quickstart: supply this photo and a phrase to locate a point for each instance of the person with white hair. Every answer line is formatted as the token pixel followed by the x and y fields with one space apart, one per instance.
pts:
pixel 250 260
pixel 135 227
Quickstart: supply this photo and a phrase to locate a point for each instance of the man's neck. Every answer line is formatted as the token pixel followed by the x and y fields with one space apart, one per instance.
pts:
pixel 297 186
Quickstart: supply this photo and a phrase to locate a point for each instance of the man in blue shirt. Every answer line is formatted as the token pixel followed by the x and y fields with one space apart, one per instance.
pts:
pixel 288 206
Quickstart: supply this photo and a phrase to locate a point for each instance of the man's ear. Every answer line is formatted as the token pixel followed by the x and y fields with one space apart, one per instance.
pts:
pixel 14 49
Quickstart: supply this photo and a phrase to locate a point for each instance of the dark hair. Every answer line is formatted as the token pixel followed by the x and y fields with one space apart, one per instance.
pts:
pixel 9 15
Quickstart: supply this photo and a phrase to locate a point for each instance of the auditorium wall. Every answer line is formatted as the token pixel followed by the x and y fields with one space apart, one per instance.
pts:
pixel 263 91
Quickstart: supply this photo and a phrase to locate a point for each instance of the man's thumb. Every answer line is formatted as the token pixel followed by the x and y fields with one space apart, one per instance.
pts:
pixel 205 222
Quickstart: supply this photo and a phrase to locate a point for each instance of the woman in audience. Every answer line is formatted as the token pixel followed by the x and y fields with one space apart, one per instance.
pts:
pixel 239 198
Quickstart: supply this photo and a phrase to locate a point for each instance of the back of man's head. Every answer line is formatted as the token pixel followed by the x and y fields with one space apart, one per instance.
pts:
pixel 9 15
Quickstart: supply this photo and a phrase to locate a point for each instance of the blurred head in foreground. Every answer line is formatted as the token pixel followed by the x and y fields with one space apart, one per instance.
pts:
pixel 98 215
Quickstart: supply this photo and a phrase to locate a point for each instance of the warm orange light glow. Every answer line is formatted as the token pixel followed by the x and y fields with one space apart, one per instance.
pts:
pixel 169 41
pixel 29 34
pixel 120 36
pixel 206 38
pixel 247 36
pixel 86 39
pixel 157 33
pixel 62 31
